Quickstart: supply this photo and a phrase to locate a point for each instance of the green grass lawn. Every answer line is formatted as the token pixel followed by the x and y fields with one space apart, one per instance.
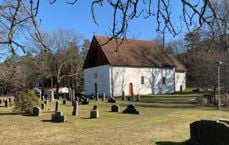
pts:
pixel 159 123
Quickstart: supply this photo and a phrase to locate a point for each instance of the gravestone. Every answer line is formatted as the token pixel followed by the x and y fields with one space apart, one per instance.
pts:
pixel 128 98
pixel 46 102
pixel 42 106
pixel 138 98
pixel 0 101
pixel 64 102
pixel 59 117
pixel 111 100
pixel 130 109
pixel 132 98
pixel 6 103
pixel 36 111
pixel 104 97
pixel 10 100
pixel 85 101
pixel 123 96
pixel 94 107
pixel 57 106
pixel 75 109
pixel 97 97
pixel 115 108
pixel 42 98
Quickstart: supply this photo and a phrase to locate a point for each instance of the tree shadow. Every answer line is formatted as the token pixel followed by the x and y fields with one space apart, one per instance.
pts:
pixel 10 113
pixel 171 143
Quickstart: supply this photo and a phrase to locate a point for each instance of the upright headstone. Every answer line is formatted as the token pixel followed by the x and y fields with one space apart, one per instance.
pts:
pixel 36 111
pixel 46 102
pixel 181 88
pixel 57 106
pixel 94 112
pixel 138 98
pixel 111 100
pixel 94 107
pixel 75 109
pixel 104 97
pixel 6 103
pixel 130 109
pixel 59 117
pixel 42 106
pixel 10 100
pixel 64 102
pixel 115 108
pixel 123 96
pixel 0 101
pixel 97 97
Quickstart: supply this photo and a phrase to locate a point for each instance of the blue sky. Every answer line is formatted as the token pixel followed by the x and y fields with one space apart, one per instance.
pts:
pixel 78 17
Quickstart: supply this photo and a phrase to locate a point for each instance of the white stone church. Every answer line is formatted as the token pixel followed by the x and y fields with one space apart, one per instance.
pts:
pixel 132 66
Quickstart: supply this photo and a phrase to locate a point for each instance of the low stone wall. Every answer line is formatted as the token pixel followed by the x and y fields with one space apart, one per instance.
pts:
pixel 209 132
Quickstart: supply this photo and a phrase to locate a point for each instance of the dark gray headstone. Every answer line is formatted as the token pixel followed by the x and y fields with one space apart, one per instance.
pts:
pixel 94 107
pixel 115 108
pixel 111 100
pixel 138 98
pixel 85 101
pixel 57 106
pixel 10 100
pixel 123 96
pixel 75 109
pixel 36 111
pixel 46 102
pixel 6 103
pixel 0 101
pixel 94 114
pixel 64 102
pixel 130 109
pixel 42 106
pixel 59 117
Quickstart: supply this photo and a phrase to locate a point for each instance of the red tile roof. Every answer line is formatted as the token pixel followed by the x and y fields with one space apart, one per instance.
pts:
pixel 137 53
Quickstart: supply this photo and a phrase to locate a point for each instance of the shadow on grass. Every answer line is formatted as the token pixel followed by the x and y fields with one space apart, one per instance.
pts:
pixel 10 113
pixel 171 143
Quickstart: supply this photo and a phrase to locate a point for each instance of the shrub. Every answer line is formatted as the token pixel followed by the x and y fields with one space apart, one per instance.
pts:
pixel 202 101
pixel 25 101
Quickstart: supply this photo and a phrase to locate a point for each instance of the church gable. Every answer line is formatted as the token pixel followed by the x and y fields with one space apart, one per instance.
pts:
pixel 95 56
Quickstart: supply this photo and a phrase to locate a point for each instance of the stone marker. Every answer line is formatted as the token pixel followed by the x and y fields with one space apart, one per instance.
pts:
pixel 138 98
pixel 46 102
pixel 0 101
pixel 10 100
pixel 75 109
pixel 85 101
pixel 115 108
pixel 42 98
pixel 36 111
pixel 132 98
pixel 6 103
pixel 94 107
pixel 111 100
pixel 97 97
pixel 42 106
pixel 130 109
pixel 57 106
pixel 104 97
pixel 59 117
pixel 209 132
pixel 64 102
pixel 123 96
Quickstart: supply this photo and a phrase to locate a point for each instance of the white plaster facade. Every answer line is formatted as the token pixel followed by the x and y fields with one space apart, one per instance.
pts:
pixel 113 80
pixel 180 81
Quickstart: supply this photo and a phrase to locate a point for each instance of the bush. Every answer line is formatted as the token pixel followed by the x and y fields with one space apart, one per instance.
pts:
pixel 25 101
pixel 202 101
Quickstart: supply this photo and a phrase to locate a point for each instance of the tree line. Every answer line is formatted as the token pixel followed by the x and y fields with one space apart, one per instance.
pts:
pixel 60 65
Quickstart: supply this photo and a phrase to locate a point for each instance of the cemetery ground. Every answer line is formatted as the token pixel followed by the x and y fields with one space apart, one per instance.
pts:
pixel 164 120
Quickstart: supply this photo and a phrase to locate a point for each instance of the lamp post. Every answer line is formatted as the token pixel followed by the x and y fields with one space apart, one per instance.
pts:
pixel 219 101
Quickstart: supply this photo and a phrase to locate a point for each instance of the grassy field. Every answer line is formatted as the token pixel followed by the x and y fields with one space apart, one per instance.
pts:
pixel 164 120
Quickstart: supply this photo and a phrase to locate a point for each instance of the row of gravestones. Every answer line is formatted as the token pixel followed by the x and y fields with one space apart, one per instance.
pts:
pixel 7 101
pixel 94 113
pixel 112 100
